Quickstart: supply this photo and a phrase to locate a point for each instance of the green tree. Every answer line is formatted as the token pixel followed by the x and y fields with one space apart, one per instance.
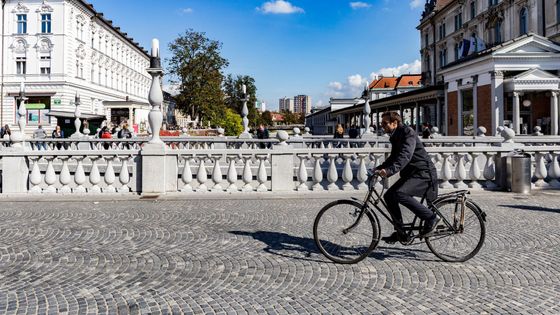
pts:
pixel 289 117
pixel 231 122
pixel 267 118
pixel 233 89
pixel 196 65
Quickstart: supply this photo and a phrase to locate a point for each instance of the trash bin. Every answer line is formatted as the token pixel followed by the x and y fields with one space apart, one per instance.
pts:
pixel 513 172
pixel 521 173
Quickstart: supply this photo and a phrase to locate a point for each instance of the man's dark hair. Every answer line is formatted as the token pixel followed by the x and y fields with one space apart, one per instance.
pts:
pixel 393 116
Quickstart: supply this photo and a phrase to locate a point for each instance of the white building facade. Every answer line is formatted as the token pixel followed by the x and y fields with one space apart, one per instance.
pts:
pixel 61 48
pixel 498 62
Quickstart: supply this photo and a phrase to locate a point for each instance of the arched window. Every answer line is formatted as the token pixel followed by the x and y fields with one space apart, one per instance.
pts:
pixel 498 32
pixel 523 21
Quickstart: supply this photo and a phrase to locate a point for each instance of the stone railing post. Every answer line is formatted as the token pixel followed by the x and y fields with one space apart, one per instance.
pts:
pixel 282 164
pixel 159 170
pixel 15 173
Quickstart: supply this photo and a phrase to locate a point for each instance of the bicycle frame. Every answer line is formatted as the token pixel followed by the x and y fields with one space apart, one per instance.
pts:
pixel 373 198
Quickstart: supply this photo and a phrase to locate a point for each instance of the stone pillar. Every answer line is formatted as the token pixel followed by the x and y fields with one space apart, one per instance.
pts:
pixel 554 112
pixel 15 172
pixel 459 112
pixel 417 117
pixel 516 113
pixel 446 114
pixel 159 170
pixel 497 100
pixel 438 114
pixel 282 164
pixel 475 101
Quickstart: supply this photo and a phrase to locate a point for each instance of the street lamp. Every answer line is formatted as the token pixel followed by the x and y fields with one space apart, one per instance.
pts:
pixel 77 114
pixel 155 97
pixel 244 112
pixel 18 137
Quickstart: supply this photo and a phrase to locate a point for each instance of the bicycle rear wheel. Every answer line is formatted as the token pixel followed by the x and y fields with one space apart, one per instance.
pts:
pixel 337 239
pixel 452 242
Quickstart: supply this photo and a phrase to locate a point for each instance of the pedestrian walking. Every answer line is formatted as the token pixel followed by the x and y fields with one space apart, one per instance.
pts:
pixel 40 133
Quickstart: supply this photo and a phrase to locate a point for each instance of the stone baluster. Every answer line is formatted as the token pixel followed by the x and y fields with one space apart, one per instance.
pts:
pixel 80 175
pixel 460 173
pixel 317 173
pixel 64 177
pixel 35 176
pixel 186 176
pixel 322 145
pixel 247 174
pixel 232 174
pixel 109 176
pixel 475 172
pixel 217 176
pixel 124 176
pixel 376 160
pixel 332 174
pixel 446 172
pixel 261 175
pixel 554 171
pixel 540 171
pixel 347 175
pixel 302 173
pixel 490 171
pixel 94 176
pixel 361 175
pixel 202 175
pixel 50 176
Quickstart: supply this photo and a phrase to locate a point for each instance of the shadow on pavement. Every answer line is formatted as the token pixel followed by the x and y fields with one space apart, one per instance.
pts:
pixel 295 247
pixel 531 208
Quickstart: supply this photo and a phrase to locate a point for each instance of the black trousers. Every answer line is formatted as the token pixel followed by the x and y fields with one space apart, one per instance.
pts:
pixel 404 191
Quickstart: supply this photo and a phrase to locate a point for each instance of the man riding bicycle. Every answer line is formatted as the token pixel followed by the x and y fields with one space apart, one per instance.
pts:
pixel 418 177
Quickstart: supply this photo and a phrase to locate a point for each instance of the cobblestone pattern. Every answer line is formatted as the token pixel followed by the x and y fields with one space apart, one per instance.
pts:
pixel 258 257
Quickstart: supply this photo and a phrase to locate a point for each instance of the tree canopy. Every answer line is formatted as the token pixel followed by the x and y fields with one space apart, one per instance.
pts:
pixel 196 65
pixel 234 96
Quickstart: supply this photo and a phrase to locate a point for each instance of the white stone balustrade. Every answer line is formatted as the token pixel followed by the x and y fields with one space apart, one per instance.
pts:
pixel 75 171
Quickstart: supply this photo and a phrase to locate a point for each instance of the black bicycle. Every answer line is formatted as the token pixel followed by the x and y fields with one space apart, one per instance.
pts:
pixel 347 231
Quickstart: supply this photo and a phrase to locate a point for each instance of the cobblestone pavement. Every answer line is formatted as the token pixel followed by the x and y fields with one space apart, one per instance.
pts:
pixel 232 256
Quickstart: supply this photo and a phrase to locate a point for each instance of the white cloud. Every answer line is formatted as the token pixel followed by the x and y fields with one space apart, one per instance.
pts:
pixel 356 81
pixel 354 84
pixel 187 10
pixel 406 68
pixel 319 104
pixel 335 85
pixel 279 7
pixel 415 4
pixel 359 5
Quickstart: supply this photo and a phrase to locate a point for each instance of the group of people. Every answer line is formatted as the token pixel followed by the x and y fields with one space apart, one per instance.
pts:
pixel 122 132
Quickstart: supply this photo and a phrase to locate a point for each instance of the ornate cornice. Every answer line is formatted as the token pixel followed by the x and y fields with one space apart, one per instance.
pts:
pixel 20 8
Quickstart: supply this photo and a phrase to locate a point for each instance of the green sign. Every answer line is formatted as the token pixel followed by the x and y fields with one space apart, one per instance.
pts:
pixel 35 106
pixel 56 101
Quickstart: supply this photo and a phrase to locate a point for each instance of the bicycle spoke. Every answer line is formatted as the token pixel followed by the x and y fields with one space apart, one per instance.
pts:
pixel 351 246
pixel 457 244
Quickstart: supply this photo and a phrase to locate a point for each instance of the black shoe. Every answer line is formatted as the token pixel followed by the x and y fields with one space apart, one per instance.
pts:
pixel 430 226
pixel 393 238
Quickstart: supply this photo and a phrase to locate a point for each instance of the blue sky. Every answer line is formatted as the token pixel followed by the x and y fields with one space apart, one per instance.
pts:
pixel 322 48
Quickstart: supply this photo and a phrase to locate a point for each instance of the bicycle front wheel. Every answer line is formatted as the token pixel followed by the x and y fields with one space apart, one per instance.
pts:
pixel 340 236
pixel 453 241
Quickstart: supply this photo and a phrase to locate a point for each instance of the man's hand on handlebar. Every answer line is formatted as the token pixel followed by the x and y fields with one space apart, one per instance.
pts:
pixel 382 173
